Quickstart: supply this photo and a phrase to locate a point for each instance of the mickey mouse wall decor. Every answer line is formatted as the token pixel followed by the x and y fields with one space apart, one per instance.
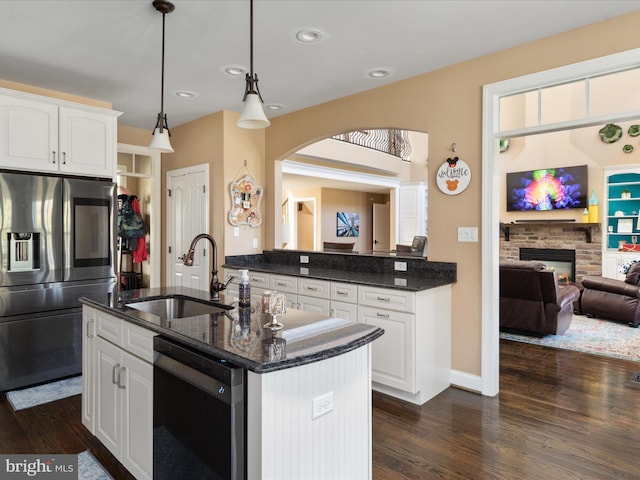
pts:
pixel 453 176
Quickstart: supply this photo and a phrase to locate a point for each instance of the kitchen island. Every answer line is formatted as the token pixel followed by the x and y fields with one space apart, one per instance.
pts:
pixel 307 388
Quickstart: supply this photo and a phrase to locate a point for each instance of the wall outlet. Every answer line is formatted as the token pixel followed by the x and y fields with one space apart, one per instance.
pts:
pixel 304 271
pixel 322 405
pixel 304 258
pixel 400 282
pixel 255 243
pixel 236 231
pixel 400 266
pixel 467 234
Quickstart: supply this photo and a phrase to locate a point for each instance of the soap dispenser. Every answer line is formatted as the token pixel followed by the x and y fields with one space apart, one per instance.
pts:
pixel 244 289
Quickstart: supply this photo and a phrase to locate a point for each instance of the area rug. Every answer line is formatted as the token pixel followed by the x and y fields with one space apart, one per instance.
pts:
pixel 49 392
pixel 591 335
pixel 90 469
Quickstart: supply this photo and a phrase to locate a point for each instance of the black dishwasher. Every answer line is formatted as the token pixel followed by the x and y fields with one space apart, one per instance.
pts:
pixel 198 415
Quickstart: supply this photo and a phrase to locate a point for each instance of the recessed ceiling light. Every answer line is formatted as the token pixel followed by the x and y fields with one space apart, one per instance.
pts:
pixel 274 106
pixel 310 35
pixel 234 70
pixel 185 94
pixel 380 72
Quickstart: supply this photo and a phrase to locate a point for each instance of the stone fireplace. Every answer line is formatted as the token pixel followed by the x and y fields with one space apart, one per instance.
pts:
pixel 553 236
pixel 562 261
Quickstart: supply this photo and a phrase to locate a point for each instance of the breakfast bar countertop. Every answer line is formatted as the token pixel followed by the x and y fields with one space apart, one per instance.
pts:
pixel 237 335
pixel 418 274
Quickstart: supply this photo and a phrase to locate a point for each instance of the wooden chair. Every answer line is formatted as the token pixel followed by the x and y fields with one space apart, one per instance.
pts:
pixel 338 247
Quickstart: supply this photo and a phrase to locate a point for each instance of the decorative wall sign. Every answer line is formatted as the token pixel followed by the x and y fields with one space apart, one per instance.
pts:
pixel 348 224
pixel 453 176
pixel 246 197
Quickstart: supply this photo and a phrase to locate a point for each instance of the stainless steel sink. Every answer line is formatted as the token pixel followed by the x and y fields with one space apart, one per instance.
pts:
pixel 176 307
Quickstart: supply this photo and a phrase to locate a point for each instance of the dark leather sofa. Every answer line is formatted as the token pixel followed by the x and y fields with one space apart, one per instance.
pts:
pixel 531 300
pixel 613 299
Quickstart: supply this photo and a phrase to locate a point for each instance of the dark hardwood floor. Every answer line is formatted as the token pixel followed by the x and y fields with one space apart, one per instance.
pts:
pixel 559 415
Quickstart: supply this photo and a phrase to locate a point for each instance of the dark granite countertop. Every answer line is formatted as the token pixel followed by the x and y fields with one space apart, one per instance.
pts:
pixel 351 268
pixel 237 334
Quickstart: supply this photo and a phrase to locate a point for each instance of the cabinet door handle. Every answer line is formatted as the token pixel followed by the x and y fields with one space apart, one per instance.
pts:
pixel 342 292
pixel 281 284
pixel 384 299
pixel 313 289
pixel 382 315
pixel 120 385
pixel 113 374
pixel 90 324
pixel 53 156
pixel 64 158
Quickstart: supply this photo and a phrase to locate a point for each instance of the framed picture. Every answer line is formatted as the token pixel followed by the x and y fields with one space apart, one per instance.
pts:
pixel 625 225
pixel 348 224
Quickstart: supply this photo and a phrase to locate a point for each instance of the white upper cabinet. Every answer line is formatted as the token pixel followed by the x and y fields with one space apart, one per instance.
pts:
pixel 28 134
pixel 87 142
pixel 39 134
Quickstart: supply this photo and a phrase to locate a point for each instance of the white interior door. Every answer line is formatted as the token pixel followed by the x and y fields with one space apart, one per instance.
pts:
pixel 381 225
pixel 188 216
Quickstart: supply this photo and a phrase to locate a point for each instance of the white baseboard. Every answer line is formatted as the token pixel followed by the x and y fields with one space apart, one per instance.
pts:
pixel 466 381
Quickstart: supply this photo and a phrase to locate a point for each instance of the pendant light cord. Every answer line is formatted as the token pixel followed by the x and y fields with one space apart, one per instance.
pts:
pixel 162 78
pixel 251 38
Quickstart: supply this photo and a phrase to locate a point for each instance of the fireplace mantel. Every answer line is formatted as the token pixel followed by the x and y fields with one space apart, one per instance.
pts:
pixel 585 227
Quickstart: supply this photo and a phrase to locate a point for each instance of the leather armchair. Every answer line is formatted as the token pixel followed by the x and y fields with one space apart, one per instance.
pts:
pixel 613 299
pixel 531 299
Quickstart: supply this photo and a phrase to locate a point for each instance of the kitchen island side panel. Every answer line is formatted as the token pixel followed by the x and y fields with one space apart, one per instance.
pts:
pixel 285 441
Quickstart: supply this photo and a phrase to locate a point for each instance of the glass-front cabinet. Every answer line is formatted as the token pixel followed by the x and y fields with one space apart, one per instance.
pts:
pixel 621 235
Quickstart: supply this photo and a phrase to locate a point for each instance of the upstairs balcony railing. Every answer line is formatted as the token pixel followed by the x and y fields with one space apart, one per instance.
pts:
pixel 392 141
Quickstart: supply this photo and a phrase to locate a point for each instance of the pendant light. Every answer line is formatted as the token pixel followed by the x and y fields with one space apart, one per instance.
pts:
pixel 161 134
pixel 253 115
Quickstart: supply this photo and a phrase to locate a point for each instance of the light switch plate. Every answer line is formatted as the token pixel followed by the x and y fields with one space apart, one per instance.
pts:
pixel 304 258
pixel 255 243
pixel 236 231
pixel 467 234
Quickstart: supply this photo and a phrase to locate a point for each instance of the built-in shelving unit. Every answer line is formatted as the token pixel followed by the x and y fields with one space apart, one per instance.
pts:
pixel 621 230
pixel 585 227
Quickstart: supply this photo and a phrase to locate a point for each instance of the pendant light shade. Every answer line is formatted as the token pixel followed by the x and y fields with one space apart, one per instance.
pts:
pixel 253 114
pixel 161 134
pixel 160 141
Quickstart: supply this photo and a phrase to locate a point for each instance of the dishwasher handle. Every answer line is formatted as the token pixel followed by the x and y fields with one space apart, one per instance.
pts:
pixel 198 379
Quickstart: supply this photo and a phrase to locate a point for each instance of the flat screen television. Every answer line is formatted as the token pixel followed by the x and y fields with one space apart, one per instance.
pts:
pixel 547 189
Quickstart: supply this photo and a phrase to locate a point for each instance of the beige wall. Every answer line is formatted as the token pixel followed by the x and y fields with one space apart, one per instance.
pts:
pixel 447 104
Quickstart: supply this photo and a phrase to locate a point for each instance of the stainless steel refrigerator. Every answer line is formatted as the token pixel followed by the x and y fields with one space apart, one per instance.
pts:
pixel 57 243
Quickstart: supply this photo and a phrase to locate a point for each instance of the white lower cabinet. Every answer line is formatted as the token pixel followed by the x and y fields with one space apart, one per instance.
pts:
pixel 412 360
pixel 613 262
pixel 120 387
pixel 393 354
pixel 314 305
pixel 88 362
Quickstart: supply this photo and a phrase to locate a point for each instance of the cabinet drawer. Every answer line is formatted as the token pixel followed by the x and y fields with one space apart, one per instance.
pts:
pixel 386 298
pixel 344 292
pixel 258 280
pixel 109 328
pixel 284 283
pixel 138 341
pixel 313 287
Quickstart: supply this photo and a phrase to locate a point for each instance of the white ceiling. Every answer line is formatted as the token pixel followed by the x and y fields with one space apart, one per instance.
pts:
pixel 111 49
